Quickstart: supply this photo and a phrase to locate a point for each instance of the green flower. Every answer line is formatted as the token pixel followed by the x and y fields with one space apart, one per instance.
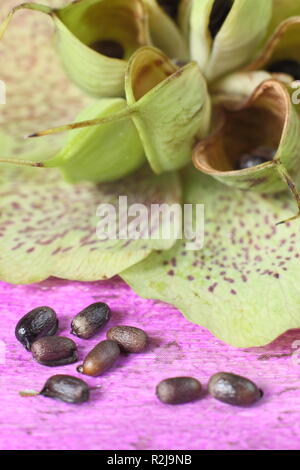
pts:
pixel 172 82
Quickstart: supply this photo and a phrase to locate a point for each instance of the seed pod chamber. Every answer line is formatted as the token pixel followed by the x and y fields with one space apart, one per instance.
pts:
pixel 267 119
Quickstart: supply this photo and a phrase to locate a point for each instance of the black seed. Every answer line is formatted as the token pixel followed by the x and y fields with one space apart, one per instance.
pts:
pixel 289 66
pixel 66 388
pixel 101 358
pixel 40 322
pixel 129 338
pixel 233 389
pixel 170 7
pixel 219 13
pixel 180 62
pixel 178 390
pixel 89 321
pixel 54 351
pixel 256 157
pixel 109 48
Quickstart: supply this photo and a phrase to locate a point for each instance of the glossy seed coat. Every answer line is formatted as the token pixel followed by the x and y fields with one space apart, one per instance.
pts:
pixel 90 320
pixel 233 389
pixel 101 358
pixel 109 48
pixel 256 157
pixel 219 13
pixel 39 322
pixel 54 351
pixel 178 390
pixel 66 388
pixel 129 338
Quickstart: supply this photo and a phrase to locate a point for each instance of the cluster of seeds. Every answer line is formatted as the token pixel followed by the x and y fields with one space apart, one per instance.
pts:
pixel 36 332
pixel 37 329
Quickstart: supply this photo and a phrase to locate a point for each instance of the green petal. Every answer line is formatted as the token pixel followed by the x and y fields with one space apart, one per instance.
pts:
pixel 48 227
pixel 244 284
pixel 236 42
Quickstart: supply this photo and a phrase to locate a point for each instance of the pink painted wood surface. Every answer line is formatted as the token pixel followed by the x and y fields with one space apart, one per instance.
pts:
pixel 123 412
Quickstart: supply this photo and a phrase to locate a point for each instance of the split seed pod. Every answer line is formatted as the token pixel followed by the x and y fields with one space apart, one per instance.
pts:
pixel 268 120
pixel 94 39
pixel 167 121
pixel 281 53
pixel 225 34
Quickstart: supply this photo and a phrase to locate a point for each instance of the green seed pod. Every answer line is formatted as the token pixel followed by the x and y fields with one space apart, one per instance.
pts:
pixel 266 126
pixel 167 122
pixel 164 32
pixel 94 39
pixel 225 34
pixel 281 53
pixel 100 153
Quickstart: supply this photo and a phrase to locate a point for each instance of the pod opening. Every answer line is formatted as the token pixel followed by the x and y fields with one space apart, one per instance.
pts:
pixel 114 28
pixel 219 13
pixel 287 66
pixel 170 7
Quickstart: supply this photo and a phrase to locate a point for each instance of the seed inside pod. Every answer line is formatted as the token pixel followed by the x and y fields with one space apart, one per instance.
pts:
pixel 66 388
pixel 54 351
pixel 89 321
pixel 178 390
pixel 290 67
pixel 233 389
pixel 109 48
pixel 256 157
pixel 170 7
pixel 101 358
pixel 40 322
pixel 129 338
pixel 219 13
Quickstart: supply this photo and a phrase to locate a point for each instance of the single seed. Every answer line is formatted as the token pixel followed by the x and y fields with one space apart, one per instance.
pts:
pixel 289 67
pixel 89 321
pixel 54 351
pixel 40 322
pixel 108 47
pixel 170 7
pixel 256 157
pixel 66 388
pixel 233 389
pixel 129 338
pixel 101 358
pixel 219 13
pixel 178 390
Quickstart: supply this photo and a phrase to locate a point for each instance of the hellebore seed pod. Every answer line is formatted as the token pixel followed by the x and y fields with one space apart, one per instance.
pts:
pixel 268 119
pixel 54 351
pixel 90 320
pixel 281 53
pixel 66 388
pixel 178 390
pixel 40 322
pixel 100 358
pixel 225 35
pixel 129 338
pixel 80 25
pixel 153 89
pixel 233 389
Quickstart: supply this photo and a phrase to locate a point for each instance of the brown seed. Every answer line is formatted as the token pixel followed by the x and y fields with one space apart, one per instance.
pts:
pixel 129 338
pixel 66 388
pixel 178 390
pixel 109 47
pixel 54 351
pixel 100 358
pixel 39 322
pixel 90 320
pixel 233 389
